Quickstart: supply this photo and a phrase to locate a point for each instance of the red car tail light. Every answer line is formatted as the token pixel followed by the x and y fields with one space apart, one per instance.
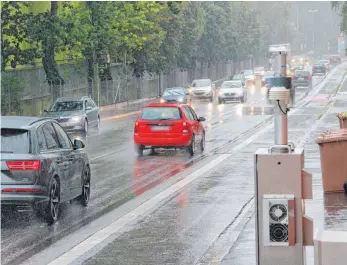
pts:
pixel 20 190
pixel 309 77
pixel 135 128
pixel 24 165
pixel 186 129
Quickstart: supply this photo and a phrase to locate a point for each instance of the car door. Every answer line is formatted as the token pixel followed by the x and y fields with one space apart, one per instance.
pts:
pixel 192 122
pixel 74 159
pixel 51 150
pixel 95 111
pixel 199 127
pixel 89 112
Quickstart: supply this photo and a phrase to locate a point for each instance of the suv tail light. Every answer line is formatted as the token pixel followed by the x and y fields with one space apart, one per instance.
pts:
pixel 135 128
pixel 24 165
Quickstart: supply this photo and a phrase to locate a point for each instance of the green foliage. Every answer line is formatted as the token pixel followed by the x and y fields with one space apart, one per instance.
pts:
pixel 10 95
pixel 15 36
pixel 149 36
pixel 342 8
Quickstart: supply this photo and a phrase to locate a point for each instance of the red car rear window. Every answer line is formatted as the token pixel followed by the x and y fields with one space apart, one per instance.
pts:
pixel 160 113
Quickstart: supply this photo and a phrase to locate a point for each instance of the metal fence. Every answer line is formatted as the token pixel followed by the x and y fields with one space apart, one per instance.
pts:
pixel 33 94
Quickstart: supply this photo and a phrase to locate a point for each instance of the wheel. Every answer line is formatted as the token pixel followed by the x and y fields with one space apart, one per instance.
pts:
pixel 345 186
pixel 139 150
pixel 202 143
pixel 243 99
pixel 220 101
pixel 85 196
pixel 153 151
pixel 191 147
pixel 85 129
pixel 52 211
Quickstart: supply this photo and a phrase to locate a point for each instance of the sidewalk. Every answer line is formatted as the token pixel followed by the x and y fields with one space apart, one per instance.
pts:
pixel 126 109
pixel 329 211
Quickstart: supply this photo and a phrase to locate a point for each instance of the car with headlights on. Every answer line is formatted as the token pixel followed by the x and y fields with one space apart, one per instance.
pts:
pixel 231 91
pixel 75 114
pixel 167 125
pixel 40 167
pixel 301 78
pixel 175 95
pixel 202 89
pixel 259 71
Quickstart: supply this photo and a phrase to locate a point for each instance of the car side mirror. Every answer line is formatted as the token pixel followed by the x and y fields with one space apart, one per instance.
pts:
pixel 78 144
pixel 45 110
pixel 201 119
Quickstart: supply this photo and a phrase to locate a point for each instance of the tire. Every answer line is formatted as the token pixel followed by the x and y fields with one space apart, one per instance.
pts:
pixel 139 150
pixel 51 212
pixel 202 143
pixel 85 129
pixel 191 147
pixel 85 196
pixel 152 151
pixel 243 99
pixel 220 101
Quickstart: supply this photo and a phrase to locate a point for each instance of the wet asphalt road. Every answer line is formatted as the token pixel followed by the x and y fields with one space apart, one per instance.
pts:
pixel 119 177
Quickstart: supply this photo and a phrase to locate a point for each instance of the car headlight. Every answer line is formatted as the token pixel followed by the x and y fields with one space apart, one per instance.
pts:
pixel 180 99
pixel 162 100
pixel 75 118
pixel 209 89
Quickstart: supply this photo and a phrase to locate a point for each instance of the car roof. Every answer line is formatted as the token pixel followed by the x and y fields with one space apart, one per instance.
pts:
pixel 171 105
pixel 21 122
pixel 206 79
pixel 73 98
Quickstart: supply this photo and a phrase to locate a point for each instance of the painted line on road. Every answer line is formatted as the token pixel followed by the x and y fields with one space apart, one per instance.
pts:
pixel 114 227
pixel 121 116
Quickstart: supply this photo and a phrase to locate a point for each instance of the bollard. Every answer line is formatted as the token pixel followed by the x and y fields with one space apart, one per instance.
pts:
pixel 281 185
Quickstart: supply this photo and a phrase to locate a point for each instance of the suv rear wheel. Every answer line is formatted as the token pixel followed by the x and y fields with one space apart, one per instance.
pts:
pixel 191 148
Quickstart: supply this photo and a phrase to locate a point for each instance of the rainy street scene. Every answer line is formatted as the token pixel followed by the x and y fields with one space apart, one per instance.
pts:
pixel 173 133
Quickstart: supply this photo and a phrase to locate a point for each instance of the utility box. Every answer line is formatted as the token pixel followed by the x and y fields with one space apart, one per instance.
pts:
pixel 282 229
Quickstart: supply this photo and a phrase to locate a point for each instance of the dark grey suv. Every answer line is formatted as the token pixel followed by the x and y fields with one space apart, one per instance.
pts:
pixel 41 167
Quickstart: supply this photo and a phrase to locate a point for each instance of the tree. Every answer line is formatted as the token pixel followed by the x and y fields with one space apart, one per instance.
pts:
pixel 342 8
pixel 17 48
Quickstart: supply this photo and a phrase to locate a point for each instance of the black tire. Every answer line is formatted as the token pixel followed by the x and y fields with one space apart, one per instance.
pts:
pixel 243 99
pixel 85 196
pixel 202 143
pixel 51 212
pixel 85 128
pixel 345 186
pixel 153 151
pixel 139 150
pixel 191 147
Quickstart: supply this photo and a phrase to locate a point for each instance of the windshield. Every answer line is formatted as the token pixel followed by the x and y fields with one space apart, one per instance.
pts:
pixel 249 72
pixel 323 61
pixel 201 83
pixel 160 113
pixel 67 106
pixel 14 141
pixel 174 91
pixel 237 77
pixel 236 84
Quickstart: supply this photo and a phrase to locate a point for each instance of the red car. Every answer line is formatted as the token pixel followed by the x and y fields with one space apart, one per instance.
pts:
pixel 163 125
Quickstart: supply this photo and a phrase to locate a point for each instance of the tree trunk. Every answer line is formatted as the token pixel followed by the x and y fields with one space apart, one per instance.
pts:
pixel 48 59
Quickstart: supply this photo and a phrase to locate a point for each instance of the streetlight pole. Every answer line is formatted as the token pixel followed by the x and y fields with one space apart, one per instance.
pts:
pixel 313 35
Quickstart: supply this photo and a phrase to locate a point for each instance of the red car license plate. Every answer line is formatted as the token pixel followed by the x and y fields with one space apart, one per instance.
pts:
pixel 159 128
